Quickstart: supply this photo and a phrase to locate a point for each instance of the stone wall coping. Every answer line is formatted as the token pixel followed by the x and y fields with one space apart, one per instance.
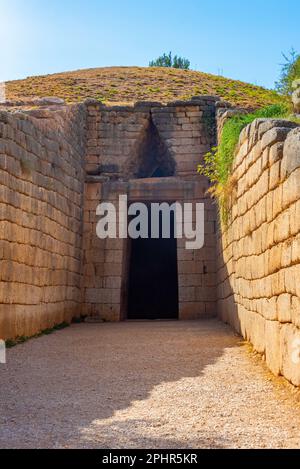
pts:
pixel 165 181
pixel 255 131
pixel 194 101
pixel 45 111
pixel 153 182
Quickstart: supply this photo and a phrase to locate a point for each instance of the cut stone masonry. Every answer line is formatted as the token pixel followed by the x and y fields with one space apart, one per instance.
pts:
pixel 58 163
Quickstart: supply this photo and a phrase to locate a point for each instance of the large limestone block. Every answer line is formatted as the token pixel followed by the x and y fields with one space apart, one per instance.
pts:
pixel 267 308
pixel 291 189
pixel 296 311
pixel 256 331
pixel 191 310
pixel 273 352
pixel 292 280
pixel 286 254
pixel 282 227
pixel 276 153
pixel 277 196
pixel 49 101
pixel 295 247
pixel 290 350
pixel 264 125
pixel 295 218
pixel 275 258
pixel 291 153
pixel 284 309
pixel 274 175
pixel 274 135
pixel 296 96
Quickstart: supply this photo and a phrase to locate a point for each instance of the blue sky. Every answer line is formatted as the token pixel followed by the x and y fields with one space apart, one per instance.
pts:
pixel 239 39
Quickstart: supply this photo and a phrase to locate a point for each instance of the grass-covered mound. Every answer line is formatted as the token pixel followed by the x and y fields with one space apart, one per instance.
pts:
pixel 130 84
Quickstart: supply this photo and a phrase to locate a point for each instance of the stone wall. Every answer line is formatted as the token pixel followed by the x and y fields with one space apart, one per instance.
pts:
pixel 106 262
pixel 41 204
pixel 117 136
pixel 259 250
pixel 57 163
pixel 119 162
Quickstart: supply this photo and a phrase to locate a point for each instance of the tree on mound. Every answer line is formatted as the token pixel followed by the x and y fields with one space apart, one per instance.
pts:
pixel 290 71
pixel 167 60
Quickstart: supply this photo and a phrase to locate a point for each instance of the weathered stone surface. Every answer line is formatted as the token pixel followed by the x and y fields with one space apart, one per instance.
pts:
pixel 296 96
pixel 258 266
pixel 290 352
pixel 55 267
pixel 291 159
pixel 40 219
pixel 284 308
pixel 264 125
pixel 274 135
pixel 273 346
pixel 49 101
pixel 119 141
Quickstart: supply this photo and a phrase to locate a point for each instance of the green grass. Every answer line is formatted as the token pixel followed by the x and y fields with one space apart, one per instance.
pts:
pixel 218 162
pixel 20 340
pixel 157 84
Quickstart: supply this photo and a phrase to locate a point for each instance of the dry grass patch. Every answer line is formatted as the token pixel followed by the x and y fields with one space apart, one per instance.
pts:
pixel 129 84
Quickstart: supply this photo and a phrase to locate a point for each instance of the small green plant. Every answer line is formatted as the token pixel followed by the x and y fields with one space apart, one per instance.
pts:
pixel 153 89
pixel 21 339
pixel 217 166
pixel 112 92
pixel 167 60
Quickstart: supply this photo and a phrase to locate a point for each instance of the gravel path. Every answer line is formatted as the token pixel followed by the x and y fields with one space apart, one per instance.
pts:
pixel 143 385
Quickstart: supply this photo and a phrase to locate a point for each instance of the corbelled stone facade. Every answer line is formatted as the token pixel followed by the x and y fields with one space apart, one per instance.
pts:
pixel 57 165
pixel 148 152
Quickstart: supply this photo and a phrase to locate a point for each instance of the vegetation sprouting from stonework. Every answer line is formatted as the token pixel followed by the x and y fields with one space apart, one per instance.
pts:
pixel 218 162
pixel 21 339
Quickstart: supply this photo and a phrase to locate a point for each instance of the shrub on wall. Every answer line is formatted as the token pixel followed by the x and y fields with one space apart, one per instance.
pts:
pixel 218 162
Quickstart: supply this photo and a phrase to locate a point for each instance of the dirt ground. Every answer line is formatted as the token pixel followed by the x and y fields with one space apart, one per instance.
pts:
pixel 144 385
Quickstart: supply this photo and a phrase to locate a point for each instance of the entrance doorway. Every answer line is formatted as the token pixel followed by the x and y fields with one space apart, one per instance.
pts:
pixel 153 277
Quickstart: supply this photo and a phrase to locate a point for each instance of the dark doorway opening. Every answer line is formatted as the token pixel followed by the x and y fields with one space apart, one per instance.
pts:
pixel 153 277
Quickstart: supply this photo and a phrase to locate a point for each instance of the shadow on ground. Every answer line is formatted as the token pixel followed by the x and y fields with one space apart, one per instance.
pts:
pixel 89 386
